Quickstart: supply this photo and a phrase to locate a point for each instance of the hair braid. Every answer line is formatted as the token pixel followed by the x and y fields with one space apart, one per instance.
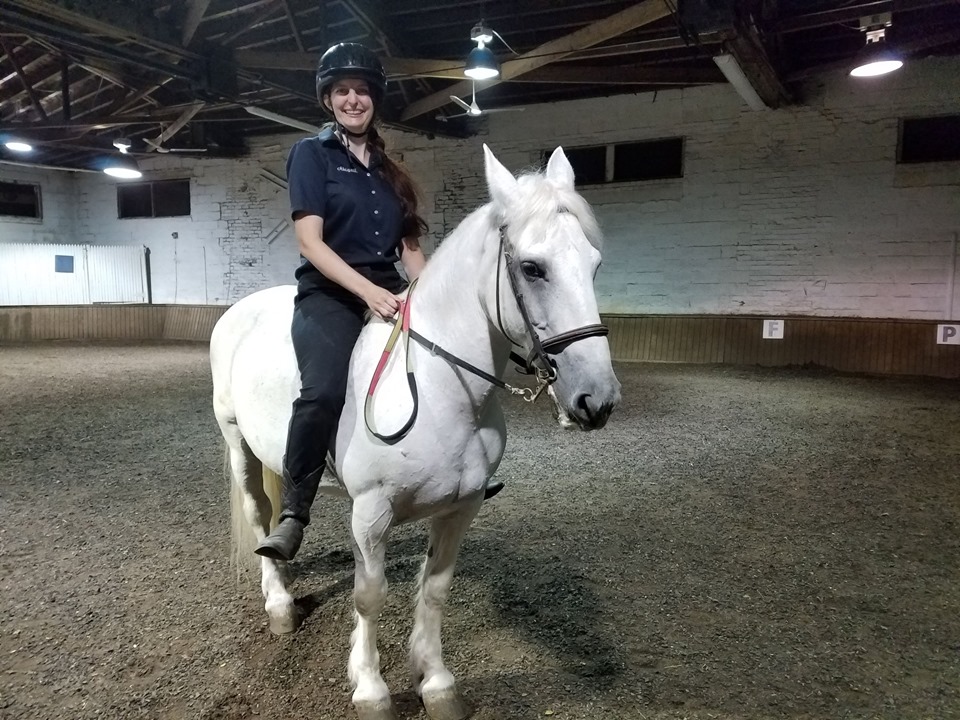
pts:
pixel 414 226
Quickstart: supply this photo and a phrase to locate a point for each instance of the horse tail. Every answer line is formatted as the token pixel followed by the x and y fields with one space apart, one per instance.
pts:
pixel 272 484
pixel 243 539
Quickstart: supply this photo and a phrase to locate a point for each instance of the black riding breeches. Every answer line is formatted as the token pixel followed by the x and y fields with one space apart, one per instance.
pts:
pixel 325 329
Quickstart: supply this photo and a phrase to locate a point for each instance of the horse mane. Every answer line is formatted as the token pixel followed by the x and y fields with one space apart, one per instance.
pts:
pixel 538 199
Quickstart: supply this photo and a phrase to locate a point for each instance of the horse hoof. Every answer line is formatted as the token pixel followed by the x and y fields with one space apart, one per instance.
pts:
pixel 445 705
pixel 375 710
pixel 284 624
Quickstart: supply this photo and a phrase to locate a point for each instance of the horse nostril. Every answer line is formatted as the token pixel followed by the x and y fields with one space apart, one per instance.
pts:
pixel 595 412
pixel 583 402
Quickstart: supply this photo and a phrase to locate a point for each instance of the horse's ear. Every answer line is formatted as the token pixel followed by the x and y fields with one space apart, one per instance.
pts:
pixel 559 170
pixel 500 182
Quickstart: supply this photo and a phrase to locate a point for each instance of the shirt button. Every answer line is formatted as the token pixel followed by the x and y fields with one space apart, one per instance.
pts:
pixel 376 232
pixel 376 212
pixel 368 174
pixel 379 253
pixel 373 192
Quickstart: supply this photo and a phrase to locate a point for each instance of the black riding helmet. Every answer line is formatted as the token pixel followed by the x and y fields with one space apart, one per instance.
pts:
pixel 351 60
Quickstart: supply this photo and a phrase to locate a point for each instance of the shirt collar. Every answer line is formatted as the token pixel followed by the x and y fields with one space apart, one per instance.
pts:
pixel 328 138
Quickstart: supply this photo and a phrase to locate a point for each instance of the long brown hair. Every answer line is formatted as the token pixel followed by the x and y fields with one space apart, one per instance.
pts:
pixel 414 226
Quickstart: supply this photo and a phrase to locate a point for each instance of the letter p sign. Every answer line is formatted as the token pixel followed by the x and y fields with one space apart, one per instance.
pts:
pixel 948 334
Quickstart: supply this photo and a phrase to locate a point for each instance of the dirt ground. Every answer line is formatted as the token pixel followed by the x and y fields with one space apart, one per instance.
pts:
pixel 738 543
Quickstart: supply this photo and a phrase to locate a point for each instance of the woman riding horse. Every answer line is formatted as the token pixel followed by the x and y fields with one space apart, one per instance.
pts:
pixel 355 215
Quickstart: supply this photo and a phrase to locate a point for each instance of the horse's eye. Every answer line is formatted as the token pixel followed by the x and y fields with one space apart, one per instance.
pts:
pixel 531 270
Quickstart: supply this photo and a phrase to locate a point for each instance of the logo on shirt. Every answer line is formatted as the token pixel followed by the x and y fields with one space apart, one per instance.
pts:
pixel 341 168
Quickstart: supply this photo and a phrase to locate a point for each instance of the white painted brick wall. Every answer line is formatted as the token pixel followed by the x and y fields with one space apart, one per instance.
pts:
pixel 797 211
pixel 219 253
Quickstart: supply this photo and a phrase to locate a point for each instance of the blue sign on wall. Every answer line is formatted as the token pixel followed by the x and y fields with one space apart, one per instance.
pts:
pixel 64 263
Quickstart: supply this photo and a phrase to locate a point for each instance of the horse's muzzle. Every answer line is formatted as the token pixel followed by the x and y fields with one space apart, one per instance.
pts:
pixel 591 412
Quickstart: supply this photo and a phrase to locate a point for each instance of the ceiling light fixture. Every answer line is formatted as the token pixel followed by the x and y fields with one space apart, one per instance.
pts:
pixel 18 146
pixel 123 167
pixel 876 57
pixel 481 62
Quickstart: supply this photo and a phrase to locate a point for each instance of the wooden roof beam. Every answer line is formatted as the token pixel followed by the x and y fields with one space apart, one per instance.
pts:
pixel 178 124
pixel 266 13
pixel 27 86
pixel 642 13
pixel 291 18
pixel 611 75
pixel 104 122
pixel 196 9
pixel 851 13
pixel 50 10
pixel 745 46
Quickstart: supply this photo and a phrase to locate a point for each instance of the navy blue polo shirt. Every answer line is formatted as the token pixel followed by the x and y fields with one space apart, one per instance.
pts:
pixel 362 216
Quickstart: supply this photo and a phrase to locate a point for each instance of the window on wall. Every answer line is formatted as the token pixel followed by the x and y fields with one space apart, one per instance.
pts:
pixel 929 139
pixel 653 160
pixel 20 200
pixel 626 162
pixel 589 164
pixel 163 198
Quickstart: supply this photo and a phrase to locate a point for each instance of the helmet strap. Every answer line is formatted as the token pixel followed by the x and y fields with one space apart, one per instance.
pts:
pixel 354 134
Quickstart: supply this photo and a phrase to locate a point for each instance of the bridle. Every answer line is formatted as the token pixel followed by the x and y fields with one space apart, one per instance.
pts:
pixel 537 362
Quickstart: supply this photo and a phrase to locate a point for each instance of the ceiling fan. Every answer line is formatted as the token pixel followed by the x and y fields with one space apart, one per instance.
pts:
pixel 166 133
pixel 160 148
pixel 157 144
pixel 472 109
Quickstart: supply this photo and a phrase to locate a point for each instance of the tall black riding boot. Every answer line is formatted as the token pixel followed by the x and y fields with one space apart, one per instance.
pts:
pixel 296 499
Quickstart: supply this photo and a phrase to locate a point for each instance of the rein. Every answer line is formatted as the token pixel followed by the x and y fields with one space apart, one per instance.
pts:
pixel 537 362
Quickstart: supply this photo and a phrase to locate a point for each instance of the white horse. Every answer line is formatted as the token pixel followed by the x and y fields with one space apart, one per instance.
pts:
pixel 521 266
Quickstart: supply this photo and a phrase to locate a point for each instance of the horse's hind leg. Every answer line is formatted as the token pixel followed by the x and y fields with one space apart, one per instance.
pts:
pixel 432 680
pixel 247 475
pixel 371 521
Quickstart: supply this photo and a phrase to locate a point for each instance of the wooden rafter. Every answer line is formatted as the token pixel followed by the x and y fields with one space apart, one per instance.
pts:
pixel 404 67
pixel 265 14
pixel 196 9
pixel 291 18
pixel 622 76
pixel 27 86
pixel 65 109
pixel 54 11
pixel 177 125
pixel 125 103
pixel 102 122
pixel 389 46
pixel 745 45
pixel 851 13
pixel 636 16
pixel 260 60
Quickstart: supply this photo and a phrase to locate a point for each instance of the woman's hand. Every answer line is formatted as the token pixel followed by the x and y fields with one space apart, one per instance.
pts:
pixel 383 303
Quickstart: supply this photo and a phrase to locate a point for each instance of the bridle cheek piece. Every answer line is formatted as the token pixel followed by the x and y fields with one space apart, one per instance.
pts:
pixel 538 360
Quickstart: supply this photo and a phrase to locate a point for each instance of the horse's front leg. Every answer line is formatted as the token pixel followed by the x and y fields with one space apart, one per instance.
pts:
pixel 433 682
pixel 371 522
